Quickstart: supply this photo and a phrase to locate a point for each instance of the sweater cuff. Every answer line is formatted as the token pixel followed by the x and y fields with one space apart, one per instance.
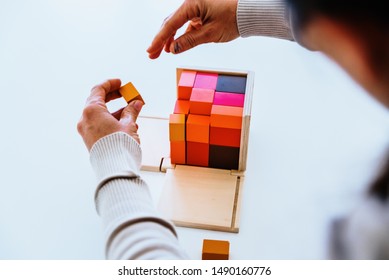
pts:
pixel 264 18
pixel 116 155
pixel 123 202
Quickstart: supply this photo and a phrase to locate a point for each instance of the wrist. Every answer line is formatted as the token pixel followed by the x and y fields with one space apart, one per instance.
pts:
pixel 116 154
pixel 263 18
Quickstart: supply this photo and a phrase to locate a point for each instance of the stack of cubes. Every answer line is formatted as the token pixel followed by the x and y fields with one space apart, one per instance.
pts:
pixel 205 127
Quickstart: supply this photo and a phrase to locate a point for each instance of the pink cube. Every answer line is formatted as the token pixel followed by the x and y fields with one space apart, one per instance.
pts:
pixel 201 101
pixel 206 80
pixel 185 84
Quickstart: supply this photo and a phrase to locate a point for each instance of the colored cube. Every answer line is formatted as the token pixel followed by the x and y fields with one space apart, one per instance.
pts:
pixel 228 83
pixel 206 127
pixel 206 80
pixel 201 101
pixel 177 127
pixel 181 107
pixel 222 136
pixel 197 128
pixel 178 152
pixel 224 157
pixel 130 93
pixel 226 116
pixel 197 153
pixel 185 84
pixel 229 99
pixel 215 249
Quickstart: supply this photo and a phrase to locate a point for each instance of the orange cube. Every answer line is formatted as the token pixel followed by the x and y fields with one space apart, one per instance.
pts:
pixel 215 250
pixel 222 136
pixel 197 128
pixel 177 127
pixel 181 107
pixel 201 101
pixel 185 84
pixel 197 154
pixel 130 93
pixel 226 116
pixel 178 152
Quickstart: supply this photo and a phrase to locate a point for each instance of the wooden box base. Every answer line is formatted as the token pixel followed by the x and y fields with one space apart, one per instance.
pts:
pixel 192 196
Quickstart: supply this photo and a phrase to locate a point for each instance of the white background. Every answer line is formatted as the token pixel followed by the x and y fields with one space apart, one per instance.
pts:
pixel 316 138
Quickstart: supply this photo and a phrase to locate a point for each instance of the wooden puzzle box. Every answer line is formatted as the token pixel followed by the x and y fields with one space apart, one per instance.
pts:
pixel 202 148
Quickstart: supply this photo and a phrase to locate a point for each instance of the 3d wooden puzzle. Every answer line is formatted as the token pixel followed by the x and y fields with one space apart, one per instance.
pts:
pixel 202 148
pixel 210 113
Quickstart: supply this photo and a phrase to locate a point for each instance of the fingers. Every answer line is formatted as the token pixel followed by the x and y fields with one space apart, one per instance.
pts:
pixel 112 96
pixel 117 114
pixel 100 92
pixel 130 112
pixel 194 37
pixel 168 43
pixel 186 12
pixel 195 23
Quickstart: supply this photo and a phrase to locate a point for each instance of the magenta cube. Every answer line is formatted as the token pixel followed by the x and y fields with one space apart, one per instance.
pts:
pixel 229 99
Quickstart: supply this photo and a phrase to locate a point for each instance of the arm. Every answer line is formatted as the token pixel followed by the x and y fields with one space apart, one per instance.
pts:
pixel 221 21
pixel 132 227
pixel 264 18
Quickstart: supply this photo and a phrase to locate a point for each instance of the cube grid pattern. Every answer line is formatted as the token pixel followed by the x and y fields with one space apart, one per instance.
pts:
pixel 209 111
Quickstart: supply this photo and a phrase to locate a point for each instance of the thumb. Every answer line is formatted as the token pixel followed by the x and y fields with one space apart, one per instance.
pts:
pixel 192 39
pixel 130 112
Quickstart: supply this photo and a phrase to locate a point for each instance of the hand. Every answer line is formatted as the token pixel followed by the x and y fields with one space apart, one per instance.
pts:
pixel 97 122
pixel 209 21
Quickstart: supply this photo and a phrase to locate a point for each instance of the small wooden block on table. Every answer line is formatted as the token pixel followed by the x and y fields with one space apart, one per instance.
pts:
pixel 215 250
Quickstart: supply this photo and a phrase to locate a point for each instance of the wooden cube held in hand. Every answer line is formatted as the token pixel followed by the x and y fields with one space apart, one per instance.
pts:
pixel 130 93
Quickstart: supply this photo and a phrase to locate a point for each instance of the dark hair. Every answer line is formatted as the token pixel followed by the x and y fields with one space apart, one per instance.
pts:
pixel 370 18
pixel 380 188
pixel 354 11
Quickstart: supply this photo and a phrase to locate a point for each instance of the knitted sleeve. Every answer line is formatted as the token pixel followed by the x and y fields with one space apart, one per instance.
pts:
pixel 264 18
pixel 132 227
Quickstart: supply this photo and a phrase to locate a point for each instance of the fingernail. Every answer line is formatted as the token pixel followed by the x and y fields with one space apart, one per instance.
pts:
pixel 177 48
pixel 138 105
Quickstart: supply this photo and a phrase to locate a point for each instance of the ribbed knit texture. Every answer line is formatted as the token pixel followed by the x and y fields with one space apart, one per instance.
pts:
pixel 123 163
pixel 263 18
pixel 132 226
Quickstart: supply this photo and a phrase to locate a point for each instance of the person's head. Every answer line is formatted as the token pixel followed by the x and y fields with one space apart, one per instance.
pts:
pixel 355 33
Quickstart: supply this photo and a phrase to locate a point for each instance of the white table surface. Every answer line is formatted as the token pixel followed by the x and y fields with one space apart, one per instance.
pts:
pixel 316 138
